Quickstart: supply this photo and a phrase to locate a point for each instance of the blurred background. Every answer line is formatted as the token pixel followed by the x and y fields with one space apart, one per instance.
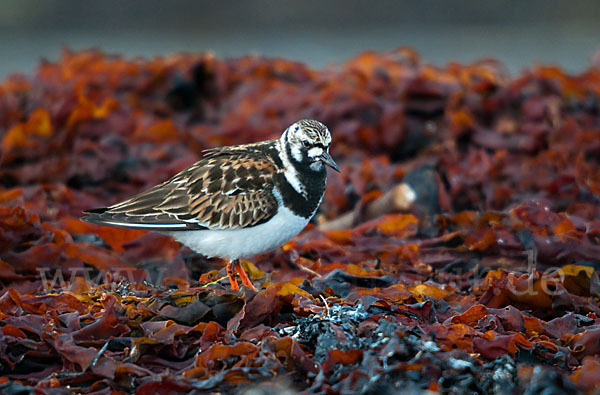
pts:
pixel 319 33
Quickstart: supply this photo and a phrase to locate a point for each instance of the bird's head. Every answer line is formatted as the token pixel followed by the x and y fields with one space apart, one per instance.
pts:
pixel 307 142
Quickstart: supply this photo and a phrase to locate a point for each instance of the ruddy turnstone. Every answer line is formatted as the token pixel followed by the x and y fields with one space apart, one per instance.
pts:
pixel 237 202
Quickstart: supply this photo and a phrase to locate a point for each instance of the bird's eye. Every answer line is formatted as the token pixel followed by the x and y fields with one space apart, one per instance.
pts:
pixel 305 143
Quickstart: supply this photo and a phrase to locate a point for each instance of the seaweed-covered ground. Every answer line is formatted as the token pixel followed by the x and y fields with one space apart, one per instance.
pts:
pixel 484 280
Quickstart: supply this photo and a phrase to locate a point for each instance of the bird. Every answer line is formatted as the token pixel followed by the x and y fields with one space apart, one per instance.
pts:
pixel 237 201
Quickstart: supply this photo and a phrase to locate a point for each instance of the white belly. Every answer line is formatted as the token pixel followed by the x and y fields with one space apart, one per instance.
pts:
pixel 243 243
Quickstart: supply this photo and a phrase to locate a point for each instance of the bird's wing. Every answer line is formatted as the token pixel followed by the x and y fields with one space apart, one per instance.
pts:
pixel 228 190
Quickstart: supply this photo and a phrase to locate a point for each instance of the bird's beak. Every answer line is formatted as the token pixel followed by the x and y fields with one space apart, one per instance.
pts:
pixel 328 160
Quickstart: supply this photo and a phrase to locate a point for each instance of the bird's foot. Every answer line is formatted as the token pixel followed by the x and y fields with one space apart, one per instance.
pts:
pixel 231 275
pixel 243 276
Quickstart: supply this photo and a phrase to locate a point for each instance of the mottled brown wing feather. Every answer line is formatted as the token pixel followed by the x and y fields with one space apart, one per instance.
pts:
pixel 231 188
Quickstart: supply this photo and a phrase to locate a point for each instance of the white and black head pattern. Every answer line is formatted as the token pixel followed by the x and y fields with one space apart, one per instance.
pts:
pixel 306 143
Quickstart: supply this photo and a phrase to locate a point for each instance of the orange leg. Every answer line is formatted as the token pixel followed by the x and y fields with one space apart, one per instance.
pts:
pixel 231 275
pixel 243 276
